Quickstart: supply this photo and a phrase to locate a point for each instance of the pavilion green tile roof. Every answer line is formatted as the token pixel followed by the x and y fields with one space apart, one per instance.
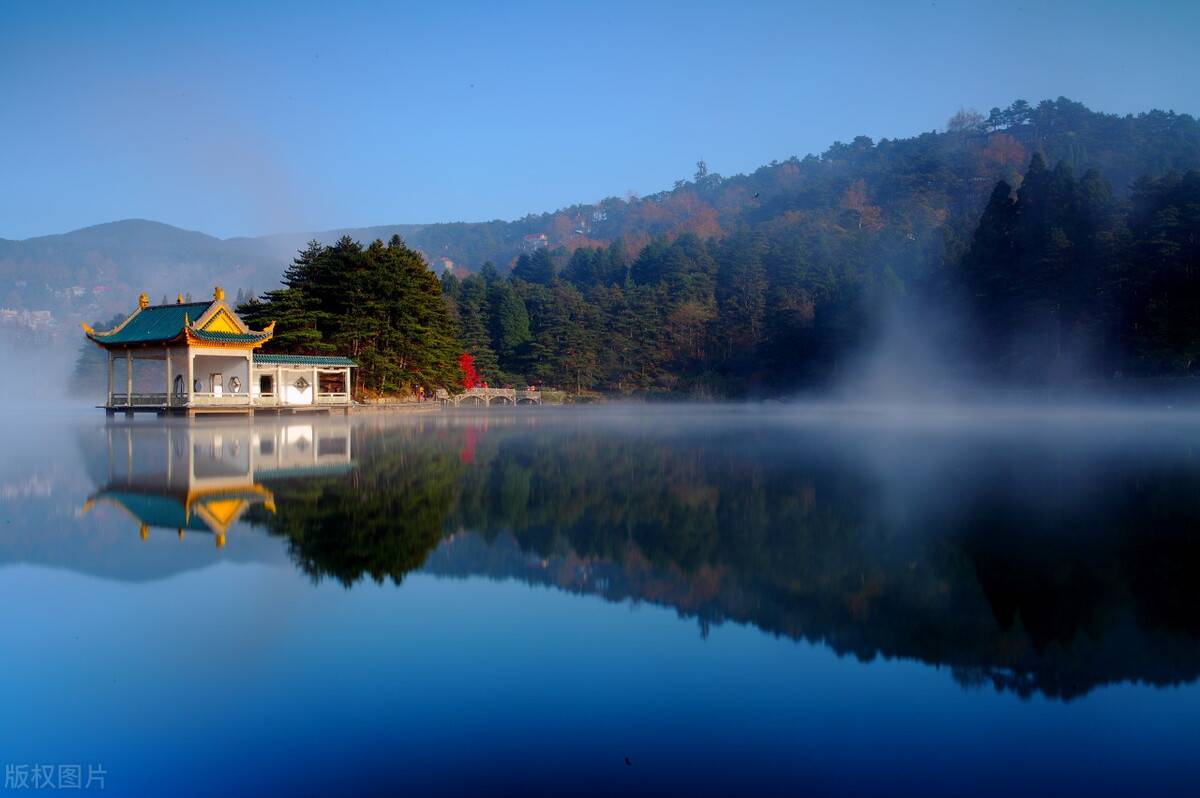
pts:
pixel 155 510
pixel 154 323
pixel 229 337
pixel 302 360
pixel 167 510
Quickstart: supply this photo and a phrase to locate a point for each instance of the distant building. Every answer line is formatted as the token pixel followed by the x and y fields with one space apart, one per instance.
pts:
pixel 534 241
pixel 26 319
pixel 599 215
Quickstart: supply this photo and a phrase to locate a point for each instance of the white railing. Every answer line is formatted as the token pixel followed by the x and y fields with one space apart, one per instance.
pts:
pixel 208 399
pixel 491 396
pixel 336 398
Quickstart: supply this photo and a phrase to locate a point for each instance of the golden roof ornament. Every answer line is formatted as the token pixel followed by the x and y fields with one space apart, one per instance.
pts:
pixel 143 301
pixel 87 328
pixel 218 293
pixel 179 299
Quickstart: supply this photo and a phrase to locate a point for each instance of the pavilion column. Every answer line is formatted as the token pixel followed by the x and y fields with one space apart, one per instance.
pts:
pixel 128 377
pixel 278 385
pixel 316 386
pixel 167 401
pixel 110 377
pixel 190 379
pixel 250 377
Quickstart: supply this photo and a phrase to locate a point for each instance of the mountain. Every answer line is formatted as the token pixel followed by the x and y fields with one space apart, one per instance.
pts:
pixel 908 203
pixel 92 273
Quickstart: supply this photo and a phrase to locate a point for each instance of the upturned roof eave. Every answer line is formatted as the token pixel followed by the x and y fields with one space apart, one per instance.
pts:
pixel 98 339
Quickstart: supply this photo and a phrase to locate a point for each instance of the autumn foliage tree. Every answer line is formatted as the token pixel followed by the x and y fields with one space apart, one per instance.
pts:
pixel 470 377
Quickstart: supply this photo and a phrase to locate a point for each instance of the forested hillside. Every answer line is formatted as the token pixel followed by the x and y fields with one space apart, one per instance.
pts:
pixel 1062 239
pixel 1065 279
pixel 915 207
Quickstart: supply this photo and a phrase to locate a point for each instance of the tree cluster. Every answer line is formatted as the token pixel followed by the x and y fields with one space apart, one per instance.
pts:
pixel 1063 280
pixel 379 305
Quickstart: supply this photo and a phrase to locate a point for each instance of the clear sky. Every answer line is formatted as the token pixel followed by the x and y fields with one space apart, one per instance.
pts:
pixel 249 118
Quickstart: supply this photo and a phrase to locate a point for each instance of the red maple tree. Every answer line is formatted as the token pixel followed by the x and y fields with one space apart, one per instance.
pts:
pixel 470 377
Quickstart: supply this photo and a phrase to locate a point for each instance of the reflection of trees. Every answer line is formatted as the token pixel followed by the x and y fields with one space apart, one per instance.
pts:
pixel 381 520
pixel 1032 570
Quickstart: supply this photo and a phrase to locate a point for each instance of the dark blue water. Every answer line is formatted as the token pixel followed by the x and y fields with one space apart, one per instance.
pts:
pixel 790 601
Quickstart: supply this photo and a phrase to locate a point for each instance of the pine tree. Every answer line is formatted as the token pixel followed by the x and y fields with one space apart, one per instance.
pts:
pixel 381 306
pixel 741 298
pixel 537 268
pixel 473 318
pixel 508 324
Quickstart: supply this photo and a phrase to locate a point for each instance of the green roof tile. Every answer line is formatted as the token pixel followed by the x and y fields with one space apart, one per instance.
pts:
pixel 303 360
pixel 155 510
pixel 154 323
pixel 228 337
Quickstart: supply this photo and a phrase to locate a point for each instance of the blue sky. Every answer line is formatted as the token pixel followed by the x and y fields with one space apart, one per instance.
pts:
pixel 251 118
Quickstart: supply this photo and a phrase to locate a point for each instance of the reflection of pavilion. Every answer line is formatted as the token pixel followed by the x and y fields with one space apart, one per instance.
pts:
pixel 203 478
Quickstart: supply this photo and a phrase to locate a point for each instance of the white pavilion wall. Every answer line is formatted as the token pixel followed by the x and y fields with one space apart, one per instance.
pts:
pixel 228 366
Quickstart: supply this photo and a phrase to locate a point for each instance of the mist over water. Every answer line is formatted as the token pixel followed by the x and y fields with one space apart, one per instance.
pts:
pixel 696 580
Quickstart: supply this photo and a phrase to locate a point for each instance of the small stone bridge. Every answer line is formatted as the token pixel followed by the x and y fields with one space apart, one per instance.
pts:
pixel 487 397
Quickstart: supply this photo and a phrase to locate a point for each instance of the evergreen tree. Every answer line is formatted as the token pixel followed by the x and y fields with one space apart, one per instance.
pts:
pixel 508 325
pixel 473 318
pixel 741 298
pixel 566 340
pixel 537 268
pixel 381 306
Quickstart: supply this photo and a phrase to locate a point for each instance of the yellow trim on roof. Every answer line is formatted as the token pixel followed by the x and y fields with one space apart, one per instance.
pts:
pixel 195 340
pixel 223 321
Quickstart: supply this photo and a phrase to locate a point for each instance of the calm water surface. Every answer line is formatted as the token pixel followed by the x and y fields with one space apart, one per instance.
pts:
pixel 775 600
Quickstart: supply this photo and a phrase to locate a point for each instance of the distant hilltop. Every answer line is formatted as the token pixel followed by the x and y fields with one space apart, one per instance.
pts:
pixel 913 188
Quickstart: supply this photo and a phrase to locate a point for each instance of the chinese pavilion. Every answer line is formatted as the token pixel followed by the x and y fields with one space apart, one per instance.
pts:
pixel 205 363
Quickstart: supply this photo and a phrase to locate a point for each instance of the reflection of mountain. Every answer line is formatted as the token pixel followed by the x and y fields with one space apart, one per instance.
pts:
pixel 1051 567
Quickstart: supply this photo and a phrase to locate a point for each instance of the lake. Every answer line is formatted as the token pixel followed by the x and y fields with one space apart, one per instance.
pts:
pixel 706 600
